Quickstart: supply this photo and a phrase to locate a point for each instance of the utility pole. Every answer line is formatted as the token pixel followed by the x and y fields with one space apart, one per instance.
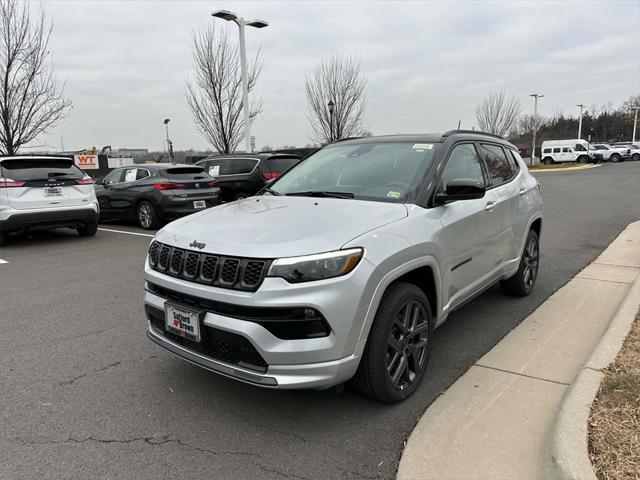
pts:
pixel 535 96
pixel 635 123
pixel 580 121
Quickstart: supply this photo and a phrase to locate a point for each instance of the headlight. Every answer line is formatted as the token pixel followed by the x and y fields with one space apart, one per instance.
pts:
pixel 316 267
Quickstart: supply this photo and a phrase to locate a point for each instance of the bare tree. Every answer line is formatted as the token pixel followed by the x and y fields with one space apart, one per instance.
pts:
pixel 498 114
pixel 215 97
pixel 30 100
pixel 338 81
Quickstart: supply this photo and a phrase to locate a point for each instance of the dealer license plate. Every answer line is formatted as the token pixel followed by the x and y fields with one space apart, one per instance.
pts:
pixel 183 322
pixel 52 191
pixel 199 204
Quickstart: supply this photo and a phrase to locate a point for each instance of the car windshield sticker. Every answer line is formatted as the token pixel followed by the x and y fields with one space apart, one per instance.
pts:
pixel 215 170
pixel 393 194
pixel 130 176
pixel 423 146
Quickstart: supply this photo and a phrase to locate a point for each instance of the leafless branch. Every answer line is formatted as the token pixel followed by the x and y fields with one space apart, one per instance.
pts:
pixel 498 114
pixel 215 95
pixel 340 80
pixel 30 100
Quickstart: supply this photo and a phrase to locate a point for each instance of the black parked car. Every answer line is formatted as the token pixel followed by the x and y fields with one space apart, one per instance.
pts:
pixel 243 175
pixel 155 193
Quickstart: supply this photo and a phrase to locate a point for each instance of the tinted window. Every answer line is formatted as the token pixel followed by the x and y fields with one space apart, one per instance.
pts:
pixel 556 150
pixel 546 150
pixel 242 165
pixel 580 148
pixel 114 177
pixel 219 167
pixel 566 150
pixel 280 164
pixel 513 160
pixel 185 173
pixel 498 166
pixel 25 170
pixel 142 173
pixel 463 163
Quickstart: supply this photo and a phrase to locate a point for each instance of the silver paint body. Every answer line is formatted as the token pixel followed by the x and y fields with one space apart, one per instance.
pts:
pixel 469 245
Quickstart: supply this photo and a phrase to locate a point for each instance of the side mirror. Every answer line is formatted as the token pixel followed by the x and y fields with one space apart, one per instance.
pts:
pixel 461 189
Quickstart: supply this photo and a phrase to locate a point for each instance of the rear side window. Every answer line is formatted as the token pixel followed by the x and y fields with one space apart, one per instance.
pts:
pixel 556 150
pixel 513 156
pixel 242 165
pixel 29 170
pixel 280 164
pixel 566 150
pixel 546 150
pixel 185 173
pixel 500 170
pixel 142 173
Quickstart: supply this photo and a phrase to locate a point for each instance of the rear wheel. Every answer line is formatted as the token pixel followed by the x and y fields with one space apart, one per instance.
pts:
pixel 147 217
pixel 615 158
pixel 635 157
pixel 521 284
pixel 88 229
pixel 547 160
pixel 397 352
pixel 240 196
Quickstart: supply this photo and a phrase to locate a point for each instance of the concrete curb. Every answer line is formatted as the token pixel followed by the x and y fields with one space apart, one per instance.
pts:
pixel 567 448
pixel 577 169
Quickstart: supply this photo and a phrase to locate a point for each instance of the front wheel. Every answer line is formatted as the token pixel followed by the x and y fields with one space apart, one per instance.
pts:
pixel 615 158
pixel 521 284
pixel 635 157
pixel 397 352
pixel 547 161
pixel 147 216
pixel 583 159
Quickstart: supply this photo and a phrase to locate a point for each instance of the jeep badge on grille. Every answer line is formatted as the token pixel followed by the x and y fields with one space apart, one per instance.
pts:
pixel 196 244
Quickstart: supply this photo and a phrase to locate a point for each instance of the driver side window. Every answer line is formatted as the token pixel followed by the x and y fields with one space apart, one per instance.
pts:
pixel 463 163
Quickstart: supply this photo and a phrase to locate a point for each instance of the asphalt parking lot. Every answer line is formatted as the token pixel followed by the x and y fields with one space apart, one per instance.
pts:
pixel 86 395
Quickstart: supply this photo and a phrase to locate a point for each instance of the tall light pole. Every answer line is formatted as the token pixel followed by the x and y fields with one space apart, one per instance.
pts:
pixel 241 22
pixel 169 149
pixel 331 105
pixel 580 121
pixel 535 96
pixel 635 123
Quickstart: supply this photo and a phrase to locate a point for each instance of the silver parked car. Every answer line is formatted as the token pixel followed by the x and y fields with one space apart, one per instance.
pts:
pixel 344 267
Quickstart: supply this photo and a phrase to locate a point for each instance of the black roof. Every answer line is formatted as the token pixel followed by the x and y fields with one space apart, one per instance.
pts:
pixel 160 166
pixel 424 137
pixel 256 155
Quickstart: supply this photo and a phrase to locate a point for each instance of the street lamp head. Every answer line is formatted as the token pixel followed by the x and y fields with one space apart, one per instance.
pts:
pixel 166 120
pixel 225 15
pixel 258 23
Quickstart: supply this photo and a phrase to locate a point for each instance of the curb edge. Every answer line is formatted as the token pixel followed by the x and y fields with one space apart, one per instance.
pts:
pixel 567 447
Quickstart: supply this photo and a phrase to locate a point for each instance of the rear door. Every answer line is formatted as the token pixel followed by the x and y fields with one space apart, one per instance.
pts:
pixel 45 183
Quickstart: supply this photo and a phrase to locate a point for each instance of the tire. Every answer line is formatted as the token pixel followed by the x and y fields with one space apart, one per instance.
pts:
pixel 146 215
pixel 635 157
pixel 240 196
pixel 583 159
pixel 547 161
pixel 522 283
pixel 409 349
pixel 615 158
pixel 88 229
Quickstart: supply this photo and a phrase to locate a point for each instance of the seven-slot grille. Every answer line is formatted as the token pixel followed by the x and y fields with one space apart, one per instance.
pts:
pixel 225 272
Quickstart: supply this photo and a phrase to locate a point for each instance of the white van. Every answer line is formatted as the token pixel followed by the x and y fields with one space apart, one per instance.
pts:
pixel 557 151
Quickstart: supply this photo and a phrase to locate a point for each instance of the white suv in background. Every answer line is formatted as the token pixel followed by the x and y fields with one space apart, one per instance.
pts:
pixel 576 150
pixel 45 192
pixel 611 154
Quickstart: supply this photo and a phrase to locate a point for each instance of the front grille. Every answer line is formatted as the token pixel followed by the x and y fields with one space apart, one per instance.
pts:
pixel 217 344
pixel 226 272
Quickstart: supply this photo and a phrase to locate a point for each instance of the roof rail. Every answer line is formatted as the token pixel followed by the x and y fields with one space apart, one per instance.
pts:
pixel 475 132
pixel 345 139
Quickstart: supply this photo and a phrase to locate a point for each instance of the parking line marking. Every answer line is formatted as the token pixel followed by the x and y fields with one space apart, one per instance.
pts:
pixel 124 231
pixel 3 261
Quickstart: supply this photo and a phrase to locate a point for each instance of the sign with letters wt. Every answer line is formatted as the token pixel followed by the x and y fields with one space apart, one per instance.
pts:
pixel 86 162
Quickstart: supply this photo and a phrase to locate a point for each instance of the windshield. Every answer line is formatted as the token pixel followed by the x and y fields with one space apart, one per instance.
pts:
pixel 370 171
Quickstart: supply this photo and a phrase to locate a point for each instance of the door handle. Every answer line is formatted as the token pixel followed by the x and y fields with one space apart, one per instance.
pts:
pixel 490 206
pixel 523 190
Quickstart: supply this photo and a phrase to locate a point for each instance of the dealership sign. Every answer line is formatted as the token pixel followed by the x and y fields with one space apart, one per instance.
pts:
pixel 86 162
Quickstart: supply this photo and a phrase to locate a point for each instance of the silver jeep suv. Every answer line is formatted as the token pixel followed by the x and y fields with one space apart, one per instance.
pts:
pixel 344 267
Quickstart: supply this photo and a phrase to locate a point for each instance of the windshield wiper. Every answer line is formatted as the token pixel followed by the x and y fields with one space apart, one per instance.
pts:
pixel 320 193
pixel 272 192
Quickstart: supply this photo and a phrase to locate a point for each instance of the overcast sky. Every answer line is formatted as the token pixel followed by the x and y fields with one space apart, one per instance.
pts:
pixel 428 64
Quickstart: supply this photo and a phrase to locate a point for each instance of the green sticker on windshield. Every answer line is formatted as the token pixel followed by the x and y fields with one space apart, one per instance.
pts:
pixel 393 194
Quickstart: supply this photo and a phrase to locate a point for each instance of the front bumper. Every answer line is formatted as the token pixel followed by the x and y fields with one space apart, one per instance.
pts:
pixel 298 363
pixel 49 218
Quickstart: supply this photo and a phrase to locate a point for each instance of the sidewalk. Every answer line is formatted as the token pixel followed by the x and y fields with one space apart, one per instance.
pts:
pixel 494 422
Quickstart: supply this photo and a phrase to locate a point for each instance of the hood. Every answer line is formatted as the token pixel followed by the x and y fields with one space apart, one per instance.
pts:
pixel 271 227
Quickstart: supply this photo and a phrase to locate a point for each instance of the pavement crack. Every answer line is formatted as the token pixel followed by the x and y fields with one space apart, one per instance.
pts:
pixel 97 370
pixel 521 374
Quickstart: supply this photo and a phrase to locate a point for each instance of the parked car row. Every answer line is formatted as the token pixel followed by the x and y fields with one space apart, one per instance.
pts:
pixel 581 151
